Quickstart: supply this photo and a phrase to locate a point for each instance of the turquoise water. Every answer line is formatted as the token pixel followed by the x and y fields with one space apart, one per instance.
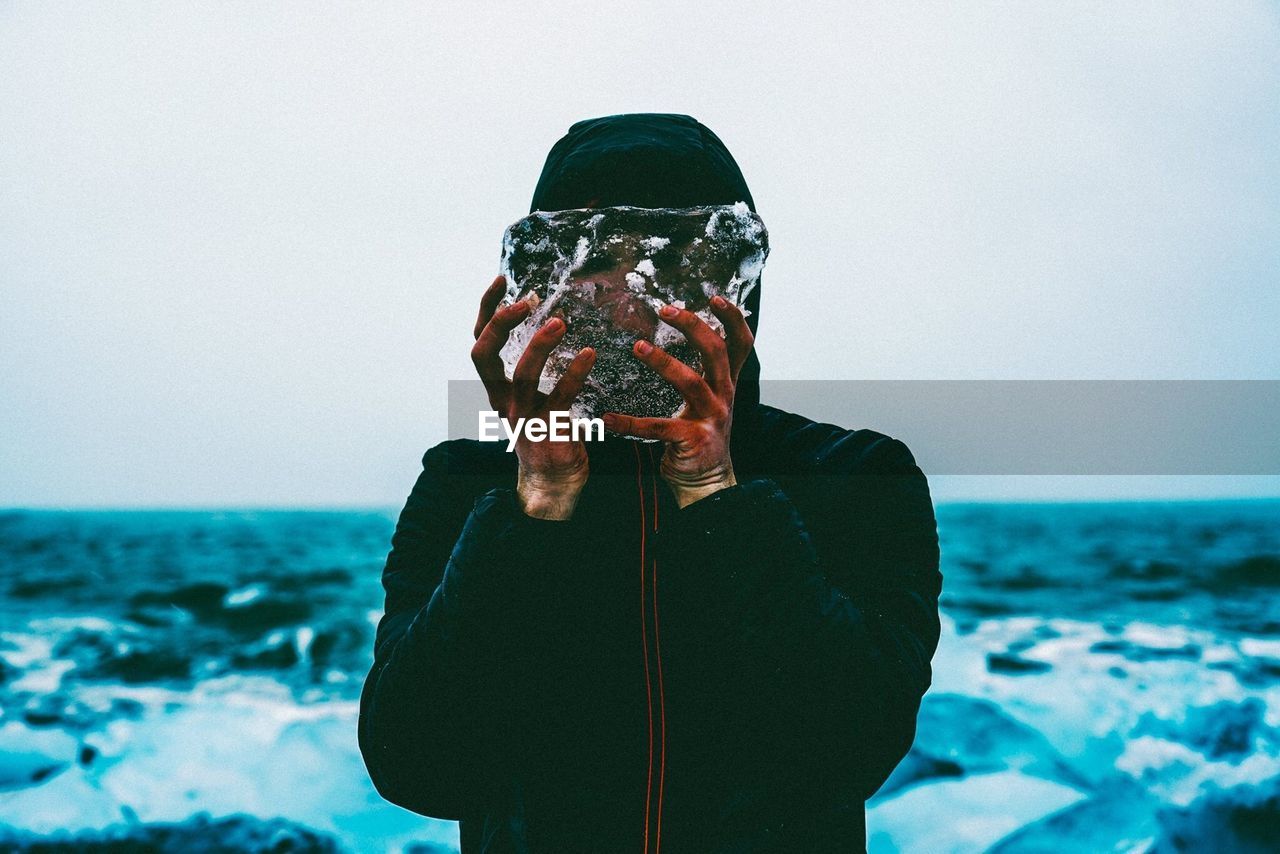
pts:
pixel 163 669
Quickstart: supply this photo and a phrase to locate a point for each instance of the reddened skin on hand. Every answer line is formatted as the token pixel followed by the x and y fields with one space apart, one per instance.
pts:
pixel 551 474
pixel 696 461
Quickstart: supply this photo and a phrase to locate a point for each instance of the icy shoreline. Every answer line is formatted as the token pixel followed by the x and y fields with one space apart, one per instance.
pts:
pixel 1054 734
pixel 234 746
pixel 1101 738
pixel 1108 680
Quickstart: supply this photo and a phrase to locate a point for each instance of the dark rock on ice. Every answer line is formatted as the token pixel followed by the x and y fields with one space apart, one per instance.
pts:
pixel 202 599
pixel 1242 820
pixel 1141 653
pixel 265 613
pixel 1026 578
pixel 62 709
pixel 1225 730
pixel 120 653
pixel 1256 571
pixel 147 665
pixel 1012 664
pixel 139 663
pixel 200 834
pixel 1255 671
pixel 340 645
pixel 216 604
pixel 274 652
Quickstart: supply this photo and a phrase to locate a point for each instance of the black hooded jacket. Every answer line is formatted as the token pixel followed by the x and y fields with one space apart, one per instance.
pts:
pixel 735 676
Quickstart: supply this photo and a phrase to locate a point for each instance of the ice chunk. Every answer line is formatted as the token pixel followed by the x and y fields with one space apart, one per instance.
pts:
pixel 966 735
pixel 607 271
pixel 28 756
pixel 966 814
pixel 1121 817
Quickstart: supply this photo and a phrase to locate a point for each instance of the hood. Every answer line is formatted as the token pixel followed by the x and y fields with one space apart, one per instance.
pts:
pixel 649 160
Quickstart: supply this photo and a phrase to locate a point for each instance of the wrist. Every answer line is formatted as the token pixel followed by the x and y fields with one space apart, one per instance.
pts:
pixel 687 494
pixel 548 498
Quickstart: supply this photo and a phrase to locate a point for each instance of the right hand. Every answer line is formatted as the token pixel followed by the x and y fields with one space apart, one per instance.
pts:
pixel 552 474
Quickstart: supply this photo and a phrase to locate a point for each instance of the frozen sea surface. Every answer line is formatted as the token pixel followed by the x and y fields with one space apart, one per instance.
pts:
pixel 1108 680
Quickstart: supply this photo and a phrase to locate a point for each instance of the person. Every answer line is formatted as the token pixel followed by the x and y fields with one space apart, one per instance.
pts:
pixel 717 642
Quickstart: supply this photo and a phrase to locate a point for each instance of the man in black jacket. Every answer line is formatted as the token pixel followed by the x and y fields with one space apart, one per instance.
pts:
pixel 714 644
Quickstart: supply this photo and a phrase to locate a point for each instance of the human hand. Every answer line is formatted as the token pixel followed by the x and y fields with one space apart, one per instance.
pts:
pixel 696 461
pixel 552 473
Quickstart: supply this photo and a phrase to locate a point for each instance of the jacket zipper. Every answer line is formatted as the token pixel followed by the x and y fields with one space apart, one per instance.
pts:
pixel 649 592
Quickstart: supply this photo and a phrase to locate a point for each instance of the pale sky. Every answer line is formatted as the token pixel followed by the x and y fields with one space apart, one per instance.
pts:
pixel 241 245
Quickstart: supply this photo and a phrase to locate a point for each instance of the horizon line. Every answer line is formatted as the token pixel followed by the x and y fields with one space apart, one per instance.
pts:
pixel 395 508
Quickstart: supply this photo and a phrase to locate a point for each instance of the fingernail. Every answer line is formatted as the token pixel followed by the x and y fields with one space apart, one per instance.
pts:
pixel 555 324
pixel 643 347
pixel 667 311
pixel 719 301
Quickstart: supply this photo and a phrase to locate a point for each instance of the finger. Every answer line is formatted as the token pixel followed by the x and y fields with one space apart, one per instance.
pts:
pixel 738 337
pixel 663 429
pixel 691 386
pixel 575 376
pixel 485 353
pixel 489 303
pixel 528 372
pixel 708 343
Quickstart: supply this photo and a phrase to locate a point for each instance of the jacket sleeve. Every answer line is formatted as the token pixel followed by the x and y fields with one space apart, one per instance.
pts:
pixel 447 648
pixel 835 640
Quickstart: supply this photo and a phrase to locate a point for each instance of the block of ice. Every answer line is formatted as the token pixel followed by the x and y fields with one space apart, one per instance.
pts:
pixel 964 814
pixel 28 756
pixel 607 271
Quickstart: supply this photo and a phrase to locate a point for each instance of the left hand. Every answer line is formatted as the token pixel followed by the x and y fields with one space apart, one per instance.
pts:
pixel 696 462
